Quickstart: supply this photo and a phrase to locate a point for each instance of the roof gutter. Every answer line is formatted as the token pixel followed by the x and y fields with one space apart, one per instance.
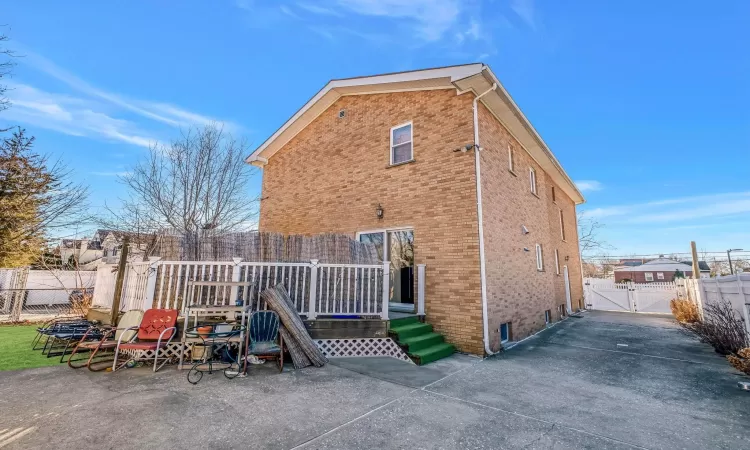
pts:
pixel 482 268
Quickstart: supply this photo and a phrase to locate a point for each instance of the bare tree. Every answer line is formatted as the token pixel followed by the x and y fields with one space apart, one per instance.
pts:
pixel 6 67
pixel 588 235
pixel 199 182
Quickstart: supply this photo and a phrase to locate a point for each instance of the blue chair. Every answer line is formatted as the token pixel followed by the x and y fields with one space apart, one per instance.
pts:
pixel 265 339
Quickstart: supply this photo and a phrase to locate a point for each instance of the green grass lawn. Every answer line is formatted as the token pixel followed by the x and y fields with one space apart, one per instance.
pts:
pixel 15 349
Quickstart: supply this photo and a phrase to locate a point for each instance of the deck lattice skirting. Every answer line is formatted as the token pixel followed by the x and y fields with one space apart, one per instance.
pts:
pixel 333 348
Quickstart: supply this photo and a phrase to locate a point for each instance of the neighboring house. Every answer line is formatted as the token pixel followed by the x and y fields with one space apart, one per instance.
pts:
pixel 703 268
pixel 657 270
pixel 83 250
pixel 109 242
pixel 417 164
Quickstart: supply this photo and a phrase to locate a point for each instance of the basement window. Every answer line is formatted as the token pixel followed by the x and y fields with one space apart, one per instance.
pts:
pixel 401 143
pixel 504 332
pixel 547 316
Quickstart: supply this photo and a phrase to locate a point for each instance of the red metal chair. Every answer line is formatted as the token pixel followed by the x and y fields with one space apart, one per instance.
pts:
pixel 157 325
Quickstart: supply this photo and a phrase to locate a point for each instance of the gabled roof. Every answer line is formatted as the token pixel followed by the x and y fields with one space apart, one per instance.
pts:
pixel 657 265
pixel 476 78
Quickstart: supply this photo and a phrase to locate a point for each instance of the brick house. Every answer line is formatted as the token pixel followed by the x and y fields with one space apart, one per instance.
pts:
pixel 654 271
pixel 436 167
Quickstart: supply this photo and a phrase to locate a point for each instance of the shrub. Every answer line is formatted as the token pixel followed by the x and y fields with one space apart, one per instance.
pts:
pixel 685 311
pixel 741 361
pixel 722 328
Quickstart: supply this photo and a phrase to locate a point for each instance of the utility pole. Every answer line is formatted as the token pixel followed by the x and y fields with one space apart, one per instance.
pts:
pixel 729 257
pixel 121 268
pixel 696 267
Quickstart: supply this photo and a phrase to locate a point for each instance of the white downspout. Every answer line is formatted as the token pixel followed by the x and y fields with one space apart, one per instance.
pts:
pixel 482 269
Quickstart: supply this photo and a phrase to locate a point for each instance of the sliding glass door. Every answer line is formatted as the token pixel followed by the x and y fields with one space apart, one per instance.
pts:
pixel 396 246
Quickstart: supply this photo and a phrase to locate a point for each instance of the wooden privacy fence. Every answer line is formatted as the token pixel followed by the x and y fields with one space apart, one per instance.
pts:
pixel 316 289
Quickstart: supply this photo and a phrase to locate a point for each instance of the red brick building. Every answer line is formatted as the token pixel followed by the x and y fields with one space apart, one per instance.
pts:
pixel 442 163
pixel 657 270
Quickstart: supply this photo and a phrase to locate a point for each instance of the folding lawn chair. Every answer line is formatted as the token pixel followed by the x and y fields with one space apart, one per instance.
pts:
pixel 157 325
pixel 98 355
pixel 265 339
pixel 53 326
pixel 63 335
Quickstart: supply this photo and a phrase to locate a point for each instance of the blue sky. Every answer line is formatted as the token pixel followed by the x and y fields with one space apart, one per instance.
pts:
pixel 644 103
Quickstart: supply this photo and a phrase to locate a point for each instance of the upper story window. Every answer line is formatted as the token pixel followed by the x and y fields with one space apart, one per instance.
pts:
pixel 532 180
pixel 562 225
pixel 401 143
pixel 539 258
pixel 554 200
pixel 557 262
pixel 511 160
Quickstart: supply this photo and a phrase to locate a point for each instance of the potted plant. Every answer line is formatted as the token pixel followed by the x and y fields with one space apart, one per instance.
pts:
pixel 204 331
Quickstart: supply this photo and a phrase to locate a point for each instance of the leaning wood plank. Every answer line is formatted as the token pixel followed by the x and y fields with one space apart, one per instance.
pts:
pixel 278 300
pixel 299 359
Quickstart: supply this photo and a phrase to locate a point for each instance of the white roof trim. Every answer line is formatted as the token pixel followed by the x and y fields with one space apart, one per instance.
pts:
pixel 461 77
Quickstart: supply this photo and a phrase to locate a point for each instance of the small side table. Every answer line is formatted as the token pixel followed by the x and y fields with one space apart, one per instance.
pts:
pixel 217 354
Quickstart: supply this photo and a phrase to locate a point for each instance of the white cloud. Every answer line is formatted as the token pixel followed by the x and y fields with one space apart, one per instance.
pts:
pixel 69 115
pixel 285 9
pixel 316 9
pixel 588 185
pixel 431 18
pixel 525 10
pixel 679 210
pixel 158 111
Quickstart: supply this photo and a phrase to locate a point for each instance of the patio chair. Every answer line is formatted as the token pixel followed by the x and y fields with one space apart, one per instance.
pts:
pixel 62 335
pixel 156 326
pixel 99 354
pixel 265 339
pixel 52 326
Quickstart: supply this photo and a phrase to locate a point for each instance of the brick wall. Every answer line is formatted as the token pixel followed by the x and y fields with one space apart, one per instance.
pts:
pixel 640 277
pixel 333 174
pixel 516 291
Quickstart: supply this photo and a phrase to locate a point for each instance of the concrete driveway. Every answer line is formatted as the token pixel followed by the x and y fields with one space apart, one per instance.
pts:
pixel 608 380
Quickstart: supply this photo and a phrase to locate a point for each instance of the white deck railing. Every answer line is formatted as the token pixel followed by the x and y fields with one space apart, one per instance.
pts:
pixel 316 289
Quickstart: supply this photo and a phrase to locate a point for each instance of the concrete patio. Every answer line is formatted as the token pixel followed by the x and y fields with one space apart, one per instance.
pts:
pixel 608 380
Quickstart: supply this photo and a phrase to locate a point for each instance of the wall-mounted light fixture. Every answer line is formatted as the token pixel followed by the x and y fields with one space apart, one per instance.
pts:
pixel 524 230
pixel 379 211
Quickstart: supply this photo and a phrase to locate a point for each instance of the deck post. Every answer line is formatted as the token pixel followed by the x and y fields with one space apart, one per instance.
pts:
pixel 148 296
pixel 386 289
pixel 313 288
pixel 236 271
pixel 420 289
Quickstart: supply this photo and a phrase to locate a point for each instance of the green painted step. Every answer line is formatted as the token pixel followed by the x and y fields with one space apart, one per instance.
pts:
pixel 432 353
pixel 411 330
pixel 404 321
pixel 421 342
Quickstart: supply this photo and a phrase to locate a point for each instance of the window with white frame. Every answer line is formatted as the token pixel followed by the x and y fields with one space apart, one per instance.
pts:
pixel 562 225
pixel 659 275
pixel 649 276
pixel 557 262
pixel 547 316
pixel 539 258
pixel 504 332
pixel 401 143
pixel 532 180
pixel 511 159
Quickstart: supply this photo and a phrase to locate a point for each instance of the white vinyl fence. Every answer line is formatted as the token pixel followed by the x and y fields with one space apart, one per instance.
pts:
pixel 35 294
pixel 734 288
pixel 606 295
